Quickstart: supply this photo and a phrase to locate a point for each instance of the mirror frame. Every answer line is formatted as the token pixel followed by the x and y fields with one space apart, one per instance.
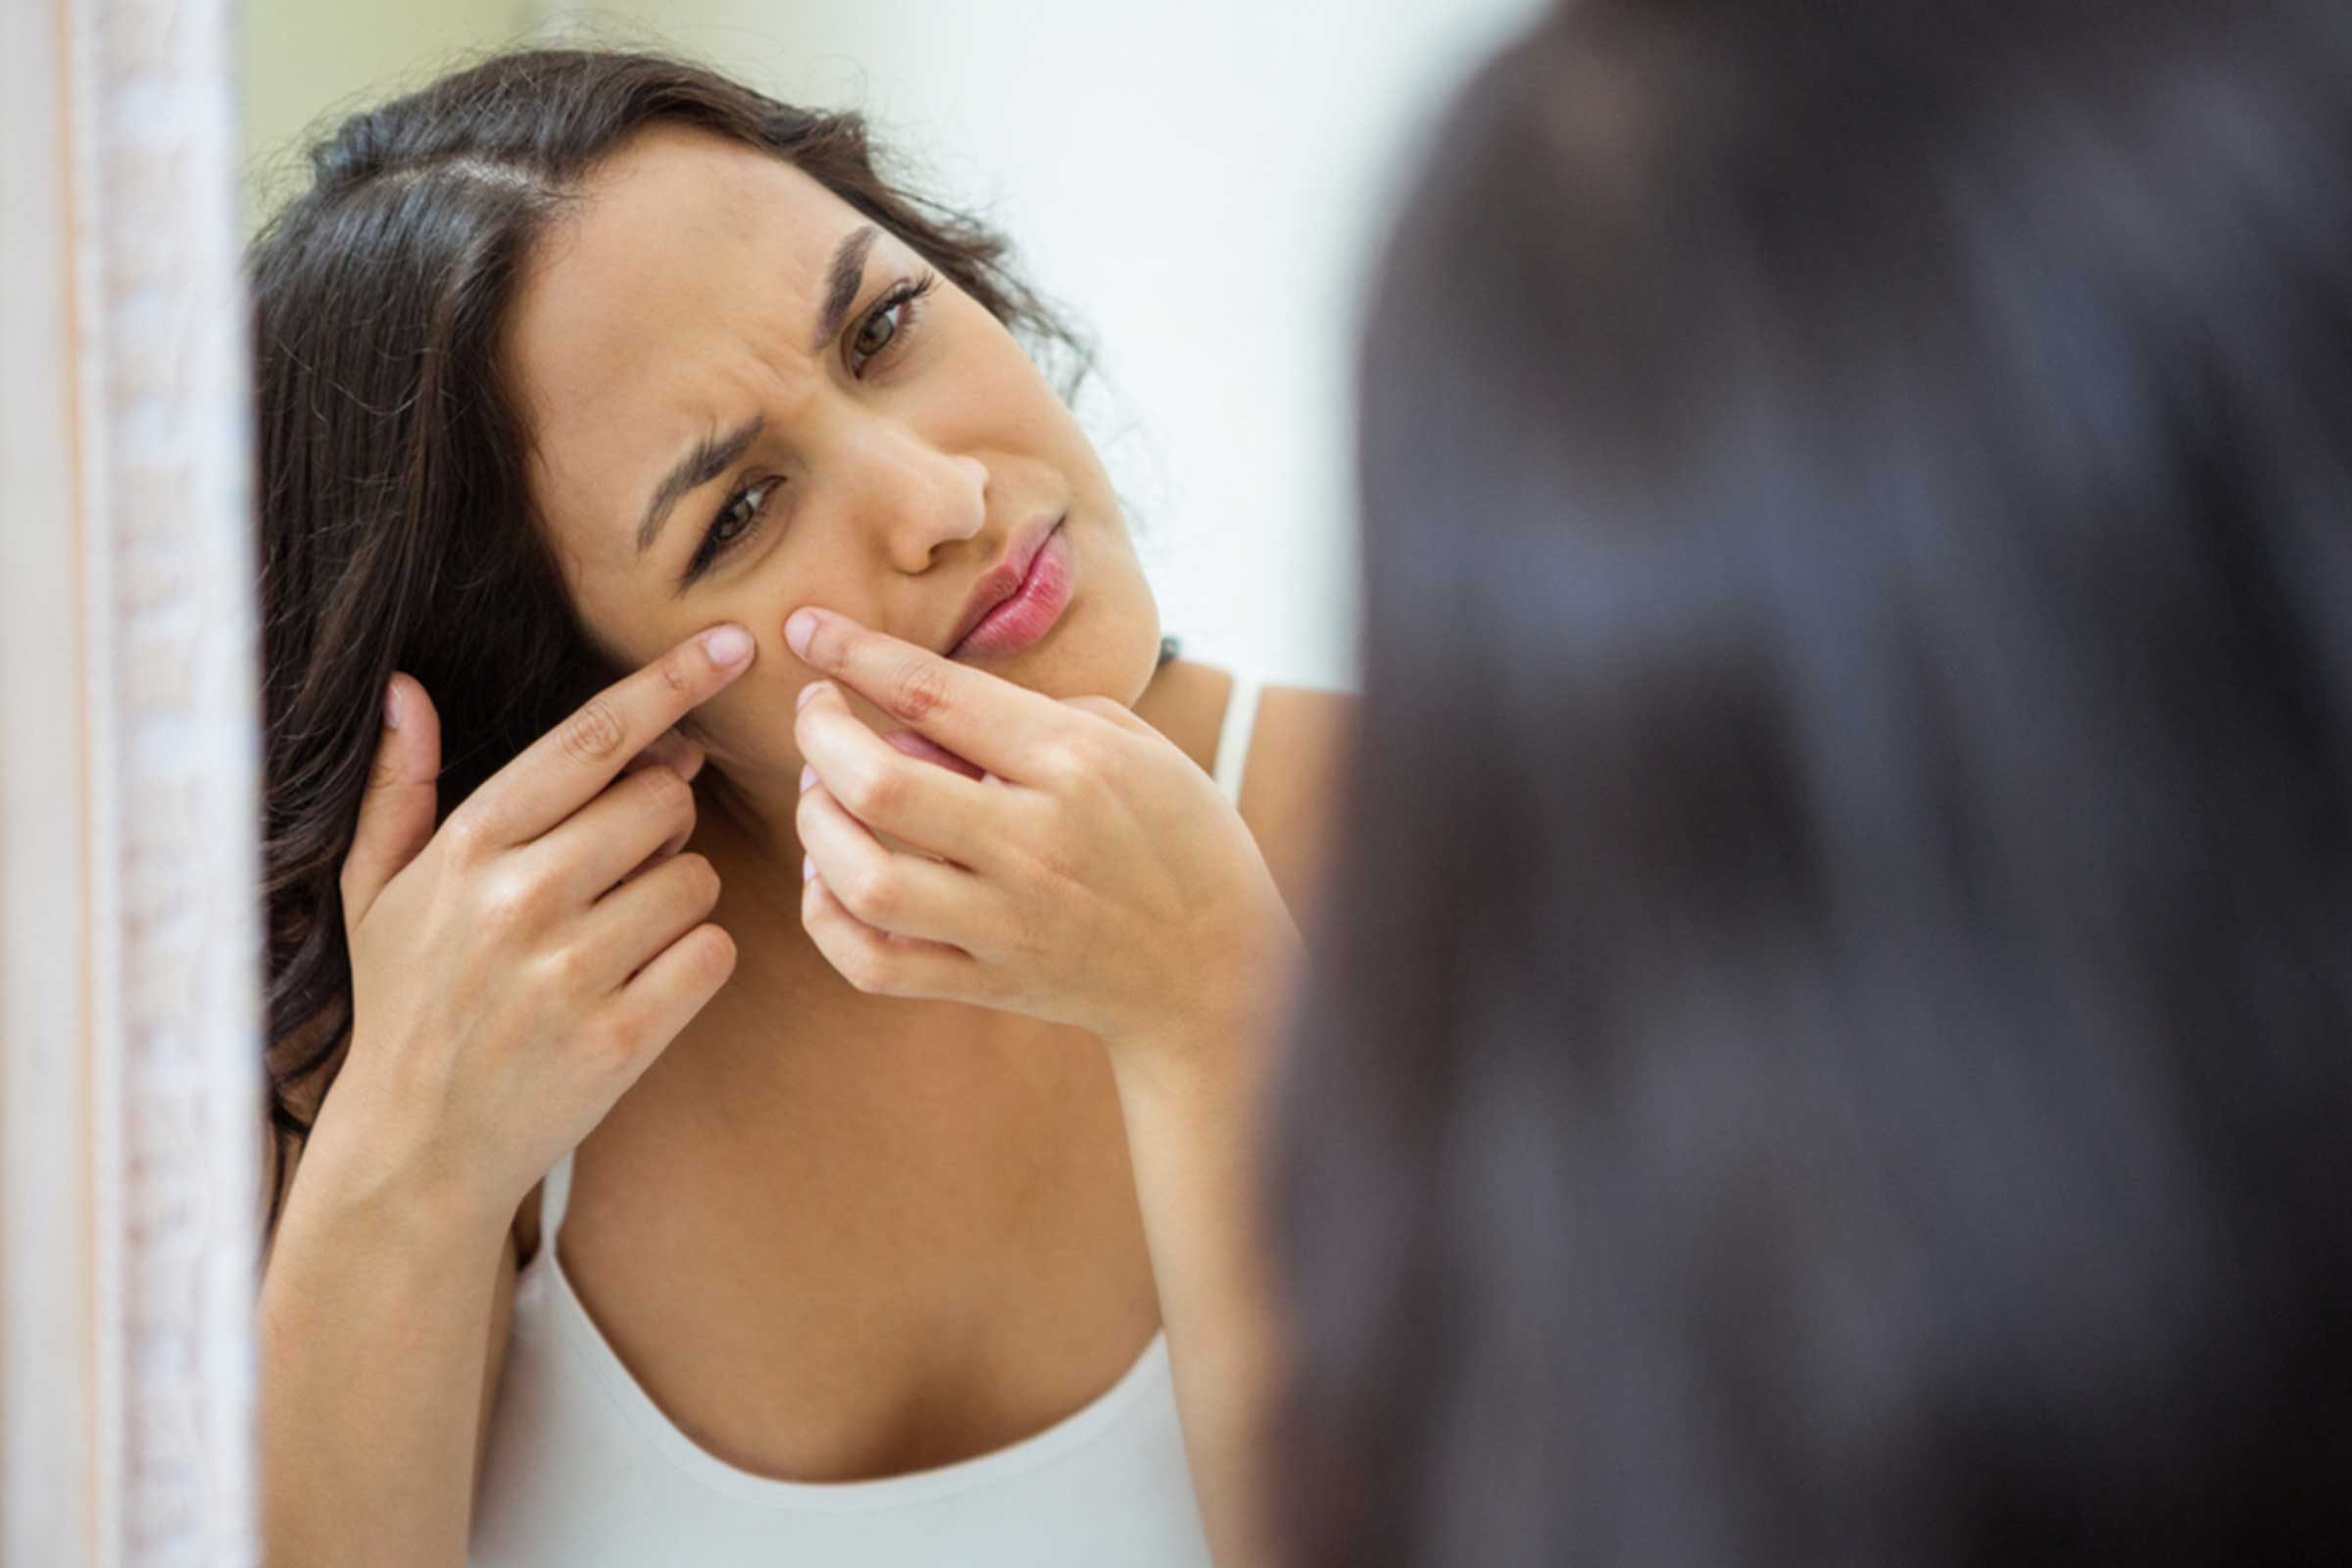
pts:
pixel 130 973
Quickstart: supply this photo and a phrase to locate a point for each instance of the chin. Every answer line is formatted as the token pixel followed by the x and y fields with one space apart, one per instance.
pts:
pixel 1080 658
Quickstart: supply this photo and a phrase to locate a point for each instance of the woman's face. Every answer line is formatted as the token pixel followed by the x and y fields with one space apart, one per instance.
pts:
pixel 901 448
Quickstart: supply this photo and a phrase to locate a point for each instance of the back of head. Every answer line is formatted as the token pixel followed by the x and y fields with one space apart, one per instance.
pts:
pixel 1835 1029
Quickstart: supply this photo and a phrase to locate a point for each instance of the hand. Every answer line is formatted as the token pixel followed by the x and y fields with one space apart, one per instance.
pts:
pixel 515 971
pixel 1068 861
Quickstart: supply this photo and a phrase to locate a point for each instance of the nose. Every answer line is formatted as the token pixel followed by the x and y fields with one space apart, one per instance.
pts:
pixel 921 496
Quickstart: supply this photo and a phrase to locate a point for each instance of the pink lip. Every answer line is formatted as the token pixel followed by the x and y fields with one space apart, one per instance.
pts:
pixel 1031 608
pixel 1002 580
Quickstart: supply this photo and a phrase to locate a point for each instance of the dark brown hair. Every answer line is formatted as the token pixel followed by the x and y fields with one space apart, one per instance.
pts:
pixel 1832 1041
pixel 396 526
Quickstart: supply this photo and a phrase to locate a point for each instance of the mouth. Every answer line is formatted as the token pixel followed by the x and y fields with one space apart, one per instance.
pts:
pixel 1020 597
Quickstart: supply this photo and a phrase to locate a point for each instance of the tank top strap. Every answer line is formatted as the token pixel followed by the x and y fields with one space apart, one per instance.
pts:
pixel 1233 738
pixel 554 1193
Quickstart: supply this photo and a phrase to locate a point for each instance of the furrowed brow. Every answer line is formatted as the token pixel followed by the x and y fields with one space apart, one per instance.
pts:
pixel 698 467
pixel 711 455
pixel 842 280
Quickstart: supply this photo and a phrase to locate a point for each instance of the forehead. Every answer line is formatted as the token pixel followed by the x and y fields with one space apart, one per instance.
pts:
pixel 680 291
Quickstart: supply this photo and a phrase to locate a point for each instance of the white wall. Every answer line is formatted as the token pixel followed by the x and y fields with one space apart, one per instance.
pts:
pixel 1200 181
pixel 301 64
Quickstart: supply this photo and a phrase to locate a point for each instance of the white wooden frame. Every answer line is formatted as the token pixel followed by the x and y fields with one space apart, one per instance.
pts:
pixel 130 951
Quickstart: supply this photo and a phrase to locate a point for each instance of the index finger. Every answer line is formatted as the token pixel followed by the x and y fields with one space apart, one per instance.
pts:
pixel 566 767
pixel 979 717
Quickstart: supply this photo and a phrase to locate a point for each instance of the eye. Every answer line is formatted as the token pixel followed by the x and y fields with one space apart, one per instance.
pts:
pixel 888 321
pixel 718 539
pixel 891 320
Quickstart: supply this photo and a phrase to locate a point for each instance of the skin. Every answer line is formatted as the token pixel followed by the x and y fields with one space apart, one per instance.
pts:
pixel 836 1233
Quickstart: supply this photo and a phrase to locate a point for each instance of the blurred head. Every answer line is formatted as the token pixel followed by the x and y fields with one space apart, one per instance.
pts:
pixel 514 302
pixel 1834 1030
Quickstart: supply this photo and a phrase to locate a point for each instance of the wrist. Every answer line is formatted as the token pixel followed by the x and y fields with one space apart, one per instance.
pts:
pixel 1208 1060
pixel 1230 1027
pixel 350 1180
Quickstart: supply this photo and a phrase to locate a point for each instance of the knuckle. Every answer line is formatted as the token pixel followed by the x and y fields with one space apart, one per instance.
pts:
pixel 677 671
pixel 871 894
pixel 593 733
pixel 513 902
pixel 568 968
pixel 915 689
pixel 1064 761
pixel 872 792
pixel 471 831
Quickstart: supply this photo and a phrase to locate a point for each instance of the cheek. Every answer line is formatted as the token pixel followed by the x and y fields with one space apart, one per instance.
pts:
pixel 741 730
pixel 753 725
pixel 968 404
pixel 621 626
pixel 985 372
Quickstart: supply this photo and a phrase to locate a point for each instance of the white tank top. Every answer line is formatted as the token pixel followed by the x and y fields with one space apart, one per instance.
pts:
pixel 584 1471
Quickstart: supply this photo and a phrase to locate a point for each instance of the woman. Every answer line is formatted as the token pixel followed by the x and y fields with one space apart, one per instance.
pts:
pixel 889 1175
pixel 1838 1041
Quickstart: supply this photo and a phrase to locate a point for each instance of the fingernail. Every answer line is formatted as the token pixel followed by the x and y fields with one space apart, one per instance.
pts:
pixel 808 777
pixel 808 869
pixel 807 692
pixel 727 646
pixel 798 629
pixel 391 708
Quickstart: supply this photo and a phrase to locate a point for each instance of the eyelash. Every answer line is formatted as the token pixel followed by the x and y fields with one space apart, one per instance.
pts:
pixel 903 296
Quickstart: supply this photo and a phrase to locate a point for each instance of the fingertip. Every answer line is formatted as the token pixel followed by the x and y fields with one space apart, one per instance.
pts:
pixel 728 647
pixel 799 628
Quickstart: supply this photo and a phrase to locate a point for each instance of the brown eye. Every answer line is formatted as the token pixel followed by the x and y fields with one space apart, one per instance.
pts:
pixel 890 320
pixel 868 344
pixel 720 531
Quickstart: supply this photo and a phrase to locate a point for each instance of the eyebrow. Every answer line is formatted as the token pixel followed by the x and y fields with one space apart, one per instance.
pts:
pixel 712 456
pixel 707 461
pixel 845 274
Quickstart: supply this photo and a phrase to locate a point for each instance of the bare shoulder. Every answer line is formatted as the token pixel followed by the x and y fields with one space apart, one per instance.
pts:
pixel 1292 789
